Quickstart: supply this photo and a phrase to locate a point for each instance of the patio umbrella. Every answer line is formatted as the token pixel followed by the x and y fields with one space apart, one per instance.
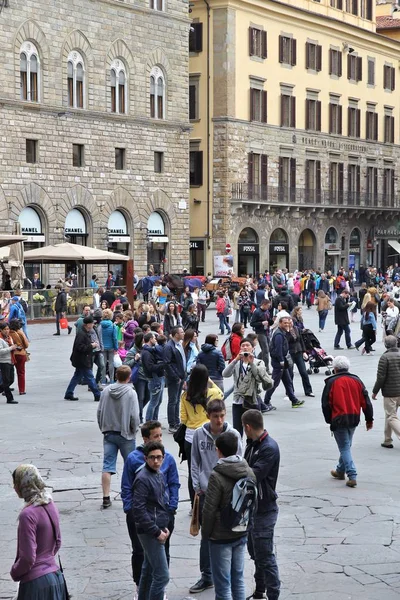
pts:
pixel 16 261
pixel 67 252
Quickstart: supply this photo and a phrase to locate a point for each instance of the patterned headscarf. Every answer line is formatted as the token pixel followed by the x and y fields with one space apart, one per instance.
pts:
pixel 30 486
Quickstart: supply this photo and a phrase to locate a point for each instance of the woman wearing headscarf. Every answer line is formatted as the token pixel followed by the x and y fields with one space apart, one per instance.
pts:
pixel 39 540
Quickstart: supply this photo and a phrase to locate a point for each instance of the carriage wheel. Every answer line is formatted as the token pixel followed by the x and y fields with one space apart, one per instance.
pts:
pixel 309 371
pixel 316 370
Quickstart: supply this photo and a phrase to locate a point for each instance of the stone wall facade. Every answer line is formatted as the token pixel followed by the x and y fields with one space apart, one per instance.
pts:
pixel 101 31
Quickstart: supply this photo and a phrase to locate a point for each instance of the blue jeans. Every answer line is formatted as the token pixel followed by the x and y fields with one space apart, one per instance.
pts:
pixel 223 322
pixel 156 388
pixel 113 442
pixel 298 360
pixel 174 395
pixel 85 375
pixel 101 367
pixel 142 390
pixel 227 564
pixel 278 375
pixel 322 314
pixel 340 330
pixel 155 575
pixel 344 439
pixel 261 550
pixel 205 561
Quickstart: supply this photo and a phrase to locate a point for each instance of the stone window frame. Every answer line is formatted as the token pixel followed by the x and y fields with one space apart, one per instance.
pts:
pixel 157 79
pixel 30 51
pixel 157 5
pixel 74 61
pixel 118 67
pixel 371 60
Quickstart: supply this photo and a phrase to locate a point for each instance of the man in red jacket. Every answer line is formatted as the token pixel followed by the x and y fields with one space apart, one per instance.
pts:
pixel 343 398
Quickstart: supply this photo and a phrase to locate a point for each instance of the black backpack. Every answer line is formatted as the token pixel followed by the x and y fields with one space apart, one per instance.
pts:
pixel 238 514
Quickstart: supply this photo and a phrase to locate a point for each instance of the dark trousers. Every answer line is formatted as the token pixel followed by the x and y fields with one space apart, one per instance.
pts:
pixel 143 393
pixel 137 550
pixel 278 375
pixel 263 341
pixel 244 315
pixel 301 365
pixel 237 411
pixel 368 338
pixel 7 376
pixel 188 450
pixel 205 561
pixel 174 396
pixel 201 311
pixel 340 330
pixel 261 550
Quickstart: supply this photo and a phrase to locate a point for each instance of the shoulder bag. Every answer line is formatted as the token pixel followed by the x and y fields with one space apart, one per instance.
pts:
pixel 67 594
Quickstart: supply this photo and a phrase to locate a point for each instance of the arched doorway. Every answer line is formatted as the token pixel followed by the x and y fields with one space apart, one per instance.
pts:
pixel 32 227
pixel 76 232
pixel 355 250
pixel 118 241
pixel 278 250
pixel 332 250
pixel 307 246
pixel 157 245
pixel 248 253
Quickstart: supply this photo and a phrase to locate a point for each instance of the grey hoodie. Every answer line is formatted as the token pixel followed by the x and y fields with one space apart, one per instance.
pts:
pixel 119 410
pixel 204 455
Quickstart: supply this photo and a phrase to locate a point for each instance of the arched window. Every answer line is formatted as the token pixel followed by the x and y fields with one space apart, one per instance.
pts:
pixel 157 93
pixel 118 87
pixel 29 72
pixel 76 80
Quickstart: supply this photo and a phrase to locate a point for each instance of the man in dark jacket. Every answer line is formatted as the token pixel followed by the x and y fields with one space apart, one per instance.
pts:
pixel 61 309
pixel 227 547
pixel 151 520
pixel 175 368
pixel 260 322
pixel 388 381
pixel 342 320
pixel 152 357
pixel 284 296
pixel 262 455
pixel 343 398
pixel 282 363
pixel 82 360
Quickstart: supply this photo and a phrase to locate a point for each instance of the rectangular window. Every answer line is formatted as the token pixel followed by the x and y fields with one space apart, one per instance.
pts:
pixel 353 122
pixel 158 162
pixel 156 4
pixel 388 187
pixel 288 111
pixel 287 50
pixel 77 155
pixel 257 175
pixel 258 105
pixel 196 37
pixel 372 186
pixel 335 118
pixel 313 56
pixel 313 115
pixel 335 62
pixel 337 4
pixel 287 178
pixel 31 151
pixel 353 184
pixel 313 180
pixel 352 6
pixel 371 125
pixel 336 182
pixel 257 42
pixel 354 67
pixel 193 98
pixel 389 129
pixel 388 78
pixel 196 168
pixel 120 159
pixel 371 71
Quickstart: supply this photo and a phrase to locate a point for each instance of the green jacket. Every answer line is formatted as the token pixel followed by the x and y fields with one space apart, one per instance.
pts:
pixel 388 375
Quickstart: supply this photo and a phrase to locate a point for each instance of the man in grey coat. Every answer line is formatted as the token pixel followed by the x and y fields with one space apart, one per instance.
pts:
pixel 388 381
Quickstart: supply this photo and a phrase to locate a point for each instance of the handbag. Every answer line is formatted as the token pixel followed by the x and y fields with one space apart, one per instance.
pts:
pixel 195 522
pixel 179 437
pixel 117 361
pixel 67 594
pixel 135 373
pixel 63 323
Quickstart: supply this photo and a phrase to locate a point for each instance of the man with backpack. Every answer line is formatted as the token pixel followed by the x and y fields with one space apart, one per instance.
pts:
pixel 262 455
pixel 229 507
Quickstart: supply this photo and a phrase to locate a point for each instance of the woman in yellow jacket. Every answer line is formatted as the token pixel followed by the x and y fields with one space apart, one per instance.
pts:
pixel 194 400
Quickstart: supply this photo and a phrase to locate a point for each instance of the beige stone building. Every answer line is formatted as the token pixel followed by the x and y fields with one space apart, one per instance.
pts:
pixel 302 132
pixel 94 127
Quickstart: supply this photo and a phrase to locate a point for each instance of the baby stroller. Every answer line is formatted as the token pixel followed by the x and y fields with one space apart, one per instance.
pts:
pixel 317 357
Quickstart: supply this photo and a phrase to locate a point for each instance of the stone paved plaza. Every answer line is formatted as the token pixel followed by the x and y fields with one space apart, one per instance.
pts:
pixel 332 542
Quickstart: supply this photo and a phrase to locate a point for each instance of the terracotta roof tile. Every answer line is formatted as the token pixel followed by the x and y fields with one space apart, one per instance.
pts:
pixel 387 22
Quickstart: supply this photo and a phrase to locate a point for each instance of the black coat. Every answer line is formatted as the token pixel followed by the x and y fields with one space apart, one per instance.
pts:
pixel 61 302
pixel 82 351
pixel 263 457
pixel 341 312
pixel 174 367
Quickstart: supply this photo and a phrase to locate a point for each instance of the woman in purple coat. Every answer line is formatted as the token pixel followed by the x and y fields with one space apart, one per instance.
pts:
pixel 129 329
pixel 39 540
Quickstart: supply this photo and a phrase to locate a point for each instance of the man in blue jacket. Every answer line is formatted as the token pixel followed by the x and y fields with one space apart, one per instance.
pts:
pixel 262 455
pixel 151 432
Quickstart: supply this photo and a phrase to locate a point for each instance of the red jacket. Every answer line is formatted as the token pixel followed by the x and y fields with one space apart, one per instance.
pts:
pixel 235 340
pixel 343 398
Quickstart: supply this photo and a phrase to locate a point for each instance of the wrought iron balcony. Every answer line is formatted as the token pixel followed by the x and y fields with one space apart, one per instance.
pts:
pixel 263 194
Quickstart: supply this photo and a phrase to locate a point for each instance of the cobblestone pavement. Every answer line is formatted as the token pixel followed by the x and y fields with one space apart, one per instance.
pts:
pixel 331 541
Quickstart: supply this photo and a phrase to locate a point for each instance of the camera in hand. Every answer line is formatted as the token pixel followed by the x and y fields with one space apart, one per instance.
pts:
pixel 246 354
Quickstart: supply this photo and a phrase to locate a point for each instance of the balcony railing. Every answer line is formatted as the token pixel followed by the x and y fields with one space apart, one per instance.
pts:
pixel 243 192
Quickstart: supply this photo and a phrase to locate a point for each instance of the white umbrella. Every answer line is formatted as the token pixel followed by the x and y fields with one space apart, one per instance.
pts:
pixel 67 252
pixel 16 261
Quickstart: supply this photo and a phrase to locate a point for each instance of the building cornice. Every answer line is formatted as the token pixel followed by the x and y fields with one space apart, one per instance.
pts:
pixel 143 10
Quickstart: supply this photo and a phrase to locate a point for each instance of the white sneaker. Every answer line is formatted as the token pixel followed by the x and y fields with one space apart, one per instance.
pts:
pixel 286 398
pixel 190 512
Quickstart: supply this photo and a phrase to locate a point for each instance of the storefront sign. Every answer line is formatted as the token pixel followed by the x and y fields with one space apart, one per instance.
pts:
pixel 31 225
pixel 117 228
pixel 370 245
pixel 155 224
pixel 248 248
pixel 279 248
pixel 354 250
pixel 76 230
pixel 122 239
pixel 75 223
pixel 196 245
pixel 223 265
pixel 387 232
pixel 333 247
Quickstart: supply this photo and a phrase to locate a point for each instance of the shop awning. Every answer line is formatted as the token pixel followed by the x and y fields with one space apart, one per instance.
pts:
pixel 395 245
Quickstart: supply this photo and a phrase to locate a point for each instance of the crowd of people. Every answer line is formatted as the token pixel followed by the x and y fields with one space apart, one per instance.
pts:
pixel 140 350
